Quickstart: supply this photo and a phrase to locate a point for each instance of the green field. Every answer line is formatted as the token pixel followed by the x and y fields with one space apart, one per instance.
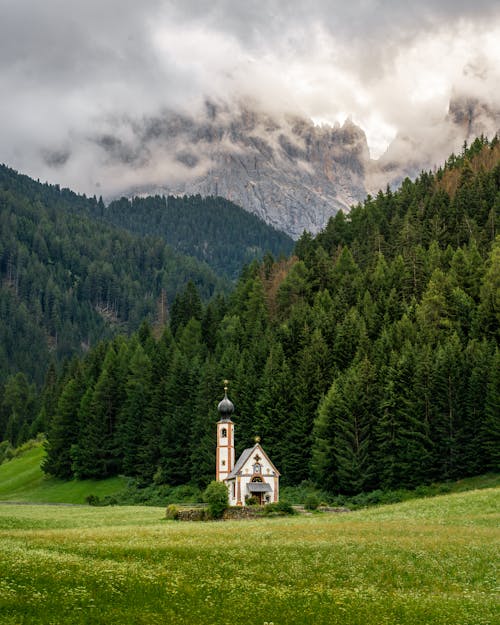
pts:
pixel 423 561
pixel 21 479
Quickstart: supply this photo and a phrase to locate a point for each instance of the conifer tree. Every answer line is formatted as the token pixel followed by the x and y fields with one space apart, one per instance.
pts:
pixel 312 378
pixel 135 406
pixel 353 443
pixel 64 429
pixel 203 429
pixel 274 406
pixel 181 397
pixel 491 426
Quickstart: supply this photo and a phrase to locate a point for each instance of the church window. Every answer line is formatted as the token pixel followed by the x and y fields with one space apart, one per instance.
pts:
pixel 223 433
pixel 234 490
pixel 256 468
pixel 256 479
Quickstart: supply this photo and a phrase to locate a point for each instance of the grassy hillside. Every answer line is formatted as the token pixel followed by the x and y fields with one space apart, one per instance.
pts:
pixel 21 479
pixel 429 561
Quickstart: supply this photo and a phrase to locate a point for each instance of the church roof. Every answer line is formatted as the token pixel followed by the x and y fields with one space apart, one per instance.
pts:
pixel 241 461
pixel 259 487
pixel 245 456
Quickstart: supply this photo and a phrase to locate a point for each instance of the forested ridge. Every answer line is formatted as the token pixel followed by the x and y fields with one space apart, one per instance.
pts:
pixel 71 274
pixel 212 229
pixel 68 281
pixel 369 359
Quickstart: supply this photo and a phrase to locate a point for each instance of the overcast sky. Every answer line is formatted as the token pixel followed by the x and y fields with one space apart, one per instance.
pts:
pixel 72 69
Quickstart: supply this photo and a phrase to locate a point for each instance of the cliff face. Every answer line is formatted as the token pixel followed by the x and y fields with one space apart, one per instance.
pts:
pixel 292 174
pixel 286 170
pixel 431 144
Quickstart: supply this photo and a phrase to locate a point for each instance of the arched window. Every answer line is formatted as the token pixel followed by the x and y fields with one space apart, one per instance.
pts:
pixel 257 468
pixel 223 433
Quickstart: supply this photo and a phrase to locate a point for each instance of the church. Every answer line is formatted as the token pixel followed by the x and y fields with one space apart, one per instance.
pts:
pixel 253 475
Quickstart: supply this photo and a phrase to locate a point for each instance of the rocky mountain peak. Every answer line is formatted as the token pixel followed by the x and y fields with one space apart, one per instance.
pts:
pixel 288 171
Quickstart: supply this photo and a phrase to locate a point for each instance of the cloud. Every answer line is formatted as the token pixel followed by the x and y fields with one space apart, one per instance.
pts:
pixel 72 73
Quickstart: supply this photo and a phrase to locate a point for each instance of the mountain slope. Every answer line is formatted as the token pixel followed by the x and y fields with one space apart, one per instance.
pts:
pixel 286 170
pixel 212 229
pixel 68 281
pixel 368 360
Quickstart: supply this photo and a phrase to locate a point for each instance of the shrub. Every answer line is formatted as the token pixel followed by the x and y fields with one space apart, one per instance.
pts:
pixel 109 500
pixel 280 508
pixel 6 451
pixel 216 497
pixel 252 501
pixel 311 502
pixel 93 500
pixel 172 512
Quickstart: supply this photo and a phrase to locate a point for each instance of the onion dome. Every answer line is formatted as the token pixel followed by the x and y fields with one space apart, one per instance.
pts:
pixel 226 406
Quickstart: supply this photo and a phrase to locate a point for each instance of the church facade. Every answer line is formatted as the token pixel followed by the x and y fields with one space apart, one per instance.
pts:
pixel 253 474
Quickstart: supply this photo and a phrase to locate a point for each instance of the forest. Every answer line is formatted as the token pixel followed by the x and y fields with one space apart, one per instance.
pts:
pixel 212 229
pixel 368 359
pixel 69 278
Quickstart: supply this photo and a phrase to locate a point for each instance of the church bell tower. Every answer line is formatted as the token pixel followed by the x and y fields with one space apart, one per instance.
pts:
pixel 225 438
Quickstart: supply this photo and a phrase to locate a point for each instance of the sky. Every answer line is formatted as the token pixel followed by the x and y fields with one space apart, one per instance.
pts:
pixel 71 70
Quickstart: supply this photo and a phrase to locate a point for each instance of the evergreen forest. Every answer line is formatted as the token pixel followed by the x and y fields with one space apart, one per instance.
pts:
pixel 368 359
pixel 212 229
pixel 70 278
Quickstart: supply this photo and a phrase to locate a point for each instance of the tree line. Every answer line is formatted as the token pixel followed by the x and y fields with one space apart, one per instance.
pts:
pixel 369 359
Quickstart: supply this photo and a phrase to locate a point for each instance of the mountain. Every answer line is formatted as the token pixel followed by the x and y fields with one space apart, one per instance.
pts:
pixel 283 168
pixel 430 144
pixel 291 173
pixel 67 280
pixel 368 360
pixel 212 229
pixel 74 271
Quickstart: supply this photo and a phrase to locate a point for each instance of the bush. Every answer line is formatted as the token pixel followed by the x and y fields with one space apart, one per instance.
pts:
pixel 280 508
pixel 6 451
pixel 216 497
pixel 252 501
pixel 311 502
pixel 93 500
pixel 172 512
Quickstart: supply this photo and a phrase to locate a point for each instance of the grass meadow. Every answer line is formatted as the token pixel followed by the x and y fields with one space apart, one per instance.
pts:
pixel 21 479
pixel 420 562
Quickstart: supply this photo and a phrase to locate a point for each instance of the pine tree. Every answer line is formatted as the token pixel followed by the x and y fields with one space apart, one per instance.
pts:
pixel 149 451
pixel 63 432
pixel 323 463
pixel 181 398
pixel 96 454
pixel 448 408
pixel 311 381
pixel 132 415
pixel 490 438
pixel 353 443
pixel 274 406
pixel 203 429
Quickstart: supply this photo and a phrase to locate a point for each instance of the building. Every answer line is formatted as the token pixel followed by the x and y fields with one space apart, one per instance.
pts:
pixel 253 475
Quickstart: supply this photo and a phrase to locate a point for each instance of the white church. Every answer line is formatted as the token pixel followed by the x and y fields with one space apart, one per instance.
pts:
pixel 253 474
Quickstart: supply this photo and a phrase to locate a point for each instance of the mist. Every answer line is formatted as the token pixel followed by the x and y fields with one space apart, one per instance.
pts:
pixel 85 84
